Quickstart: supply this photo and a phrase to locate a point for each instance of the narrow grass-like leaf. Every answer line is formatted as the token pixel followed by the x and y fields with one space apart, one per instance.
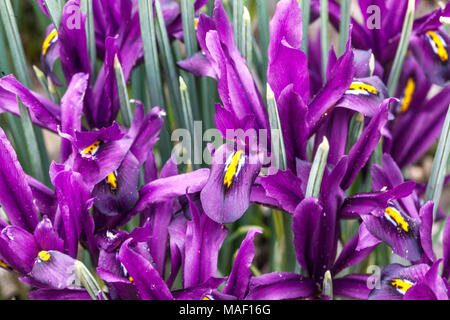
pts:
pixel 21 68
pixel 356 128
pixel 284 259
pixel 188 22
pixel 263 36
pixel 324 37
pixel 238 10
pixel 188 119
pixel 153 71
pixel 190 43
pixel 88 281
pixel 208 89
pixel 317 170
pixel 440 165
pixel 344 25
pixel 189 124
pixel 86 7
pixel 55 8
pixel 5 65
pixel 327 287
pixel 247 41
pixel 397 65
pixel 305 6
pixel 125 107
pixel 138 90
pixel 152 68
pixel 168 63
pixel 48 86
pixel 37 169
pixel 15 43
pixel 278 148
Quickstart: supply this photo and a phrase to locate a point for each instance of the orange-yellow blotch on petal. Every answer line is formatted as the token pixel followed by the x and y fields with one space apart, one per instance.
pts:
pixel 49 40
pixel 358 87
pixel 233 167
pixel 395 217
pixel 401 285
pixel 196 20
pixel 438 44
pixel 44 255
pixel 111 179
pixel 92 149
pixel 408 94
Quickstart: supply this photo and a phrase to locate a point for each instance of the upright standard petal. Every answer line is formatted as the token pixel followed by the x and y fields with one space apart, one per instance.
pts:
pixel 72 104
pixel 287 63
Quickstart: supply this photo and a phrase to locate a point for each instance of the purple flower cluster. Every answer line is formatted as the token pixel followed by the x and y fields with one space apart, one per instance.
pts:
pixel 108 173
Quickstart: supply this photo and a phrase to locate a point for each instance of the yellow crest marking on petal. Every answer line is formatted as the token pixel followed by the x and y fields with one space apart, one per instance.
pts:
pixel 402 285
pixel 44 255
pixel 48 41
pixel 196 20
pixel 111 179
pixel 364 87
pixel 231 168
pixel 439 45
pixel 93 148
pixel 408 94
pixel 392 213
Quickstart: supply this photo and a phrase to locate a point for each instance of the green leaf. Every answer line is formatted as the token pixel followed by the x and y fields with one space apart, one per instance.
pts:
pixel 15 43
pixel 88 281
pixel 152 67
pixel 264 36
pixel 278 147
pixel 324 37
pixel 344 25
pixel 238 10
pixel 400 55
pixel 247 40
pixel 37 168
pixel 55 8
pixel 305 6
pixel 440 164
pixel 86 7
pixel 125 107
pixel 317 170
pixel 190 43
pixel 168 63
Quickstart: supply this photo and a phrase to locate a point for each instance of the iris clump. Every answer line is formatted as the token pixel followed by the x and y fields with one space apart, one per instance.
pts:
pixel 217 150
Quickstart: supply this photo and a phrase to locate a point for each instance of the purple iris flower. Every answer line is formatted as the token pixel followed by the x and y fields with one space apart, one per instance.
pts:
pixel 415 106
pixel 429 42
pixel 316 235
pixel 426 63
pixel 417 282
pixel 117 32
pixel 128 262
pixel 348 89
pixel 226 195
pixel 421 280
pixel 41 251
pixel 395 213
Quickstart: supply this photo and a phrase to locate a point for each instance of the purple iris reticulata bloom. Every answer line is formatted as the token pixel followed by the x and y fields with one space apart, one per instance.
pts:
pixel 155 232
